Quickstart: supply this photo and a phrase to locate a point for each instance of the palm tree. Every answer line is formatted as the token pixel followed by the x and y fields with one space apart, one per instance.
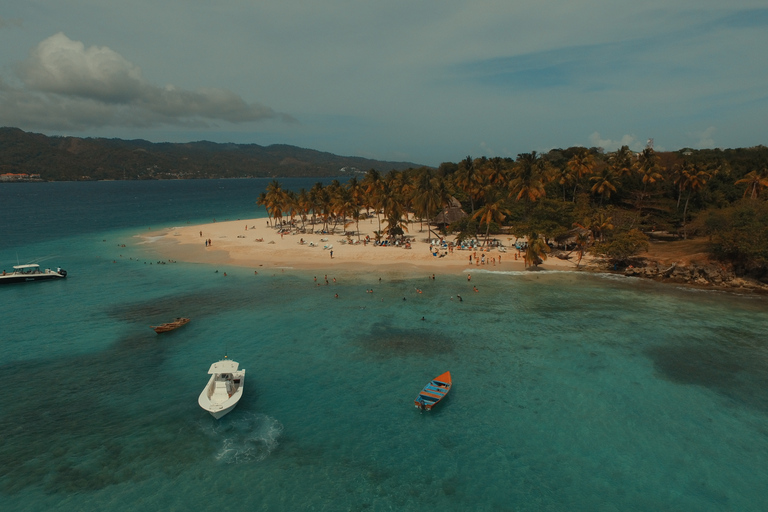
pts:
pixel 468 179
pixel 426 198
pixel 290 204
pixel 274 201
pixel 494 210
pixel 605 184
pixel 304 203
pixel 621 162
pixel 320 203
pixel 529 177
pixel 583 240
pixel 693 181
pixel 537 250
pixel 261 200
pixel 564 177
pixel 600 223
pixel 581 164
pixel 755 181
pixel 373 184
pixel 649 168
pixel 494 171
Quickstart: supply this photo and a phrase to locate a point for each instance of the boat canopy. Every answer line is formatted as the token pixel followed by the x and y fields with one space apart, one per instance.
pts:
pixel 22 267
pixel 225 366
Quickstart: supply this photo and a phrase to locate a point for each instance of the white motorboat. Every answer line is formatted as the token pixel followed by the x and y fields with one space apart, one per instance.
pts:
pixel 224 389
pixel 31 272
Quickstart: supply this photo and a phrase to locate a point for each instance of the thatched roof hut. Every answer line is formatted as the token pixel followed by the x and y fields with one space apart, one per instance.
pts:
pixel 450 214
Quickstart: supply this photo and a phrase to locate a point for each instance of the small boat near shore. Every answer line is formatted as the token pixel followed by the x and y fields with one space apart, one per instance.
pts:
pixel 169 326
pixel 433 392
pixel 224 389
pixel 31 272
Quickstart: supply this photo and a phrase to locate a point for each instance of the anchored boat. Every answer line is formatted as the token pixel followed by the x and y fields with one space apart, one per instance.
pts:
pixel 433 392
pixel 31 272
pixel 169 326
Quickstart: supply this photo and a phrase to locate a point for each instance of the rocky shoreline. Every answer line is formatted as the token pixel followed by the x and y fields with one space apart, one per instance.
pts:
pixel 712 275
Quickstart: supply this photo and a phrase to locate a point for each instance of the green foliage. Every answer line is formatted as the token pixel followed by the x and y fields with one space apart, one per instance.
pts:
pixel 465 228
pixel 740 233
pixel 550 218
pixel 622 246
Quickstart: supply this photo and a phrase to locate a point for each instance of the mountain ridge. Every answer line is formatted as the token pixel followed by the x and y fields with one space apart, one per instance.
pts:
pixel 66 158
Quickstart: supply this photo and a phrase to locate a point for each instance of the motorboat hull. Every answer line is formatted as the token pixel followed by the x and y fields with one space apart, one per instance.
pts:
pixel 224 389
pixel 42 275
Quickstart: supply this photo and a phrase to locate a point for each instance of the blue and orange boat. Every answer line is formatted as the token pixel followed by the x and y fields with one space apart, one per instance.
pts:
pixel 436 390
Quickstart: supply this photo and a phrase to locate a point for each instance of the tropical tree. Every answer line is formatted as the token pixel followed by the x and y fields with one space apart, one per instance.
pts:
pixel 494 210
pixel 583 241
pixel 755 181
pixel 581 164
pixel 623 246
pixel 427 199
pixel 304 204
pixel 605 183
pixel 597 224
pixel 621 162
pixel 649 168
pixel 261 200
pixel 494 172
pixel 529 175
pixel 274 201
pixel 468 179
pixel 373 184
pixel 536 251
pixel 693 180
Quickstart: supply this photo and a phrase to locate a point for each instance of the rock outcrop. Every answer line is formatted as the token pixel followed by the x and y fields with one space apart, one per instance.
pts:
pixel 695 273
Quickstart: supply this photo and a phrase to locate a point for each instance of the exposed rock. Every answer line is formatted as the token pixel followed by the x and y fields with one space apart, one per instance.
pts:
pixel 696 273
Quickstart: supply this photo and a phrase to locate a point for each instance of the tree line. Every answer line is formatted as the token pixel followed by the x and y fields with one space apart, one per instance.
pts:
pixel 609 204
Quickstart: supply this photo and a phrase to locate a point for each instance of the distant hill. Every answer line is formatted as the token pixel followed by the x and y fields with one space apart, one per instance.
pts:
pixel 74 158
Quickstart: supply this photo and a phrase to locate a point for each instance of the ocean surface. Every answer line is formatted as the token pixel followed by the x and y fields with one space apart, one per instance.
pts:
pixel 572 391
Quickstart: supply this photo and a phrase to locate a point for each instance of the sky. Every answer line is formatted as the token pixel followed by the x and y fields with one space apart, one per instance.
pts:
pixel 422 81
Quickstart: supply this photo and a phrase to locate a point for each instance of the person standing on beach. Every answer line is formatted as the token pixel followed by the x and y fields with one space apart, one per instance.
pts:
pixel 331 253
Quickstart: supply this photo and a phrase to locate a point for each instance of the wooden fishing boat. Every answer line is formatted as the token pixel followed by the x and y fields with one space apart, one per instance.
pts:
pixel 433 392
pixel 170 325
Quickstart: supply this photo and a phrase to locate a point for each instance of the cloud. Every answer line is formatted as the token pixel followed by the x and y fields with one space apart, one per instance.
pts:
pixel 612 145
pixel 705 139
pixel 65 85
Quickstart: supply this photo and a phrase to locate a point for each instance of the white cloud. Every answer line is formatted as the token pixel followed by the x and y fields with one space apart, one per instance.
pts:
pixel 65 85
pixel 612 145
pixel 705 139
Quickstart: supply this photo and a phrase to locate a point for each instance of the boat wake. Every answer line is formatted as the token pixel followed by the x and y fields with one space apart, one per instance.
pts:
pixel 245 437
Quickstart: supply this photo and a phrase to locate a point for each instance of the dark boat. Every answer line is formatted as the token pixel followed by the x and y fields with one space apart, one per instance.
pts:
pixel 170 325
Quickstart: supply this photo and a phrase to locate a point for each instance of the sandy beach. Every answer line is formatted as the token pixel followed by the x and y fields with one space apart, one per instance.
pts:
pixel 254 243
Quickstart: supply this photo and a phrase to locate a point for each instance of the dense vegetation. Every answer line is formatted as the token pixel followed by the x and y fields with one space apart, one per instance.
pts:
pixel 586 200
pixel 74 159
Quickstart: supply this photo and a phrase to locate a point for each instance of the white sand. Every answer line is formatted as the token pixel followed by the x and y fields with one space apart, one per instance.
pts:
pixel 237 243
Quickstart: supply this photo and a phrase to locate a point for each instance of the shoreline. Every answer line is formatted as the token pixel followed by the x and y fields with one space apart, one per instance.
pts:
pixel 253 243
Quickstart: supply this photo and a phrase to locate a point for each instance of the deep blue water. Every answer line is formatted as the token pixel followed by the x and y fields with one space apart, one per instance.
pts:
pixel 571 391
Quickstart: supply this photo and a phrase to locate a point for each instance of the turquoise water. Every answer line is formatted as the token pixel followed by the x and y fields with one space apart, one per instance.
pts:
pixel 571 391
